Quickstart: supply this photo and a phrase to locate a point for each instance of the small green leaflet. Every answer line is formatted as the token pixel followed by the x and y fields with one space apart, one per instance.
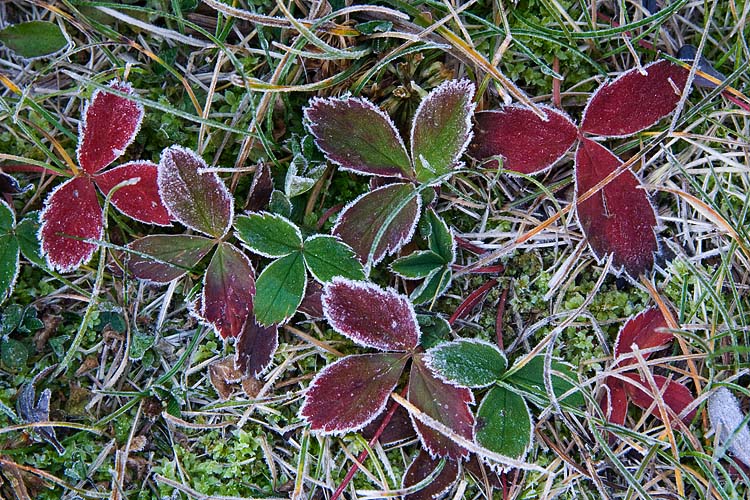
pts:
pixel 327 256
pixel 467 362
pixel 530 377
pixel 268 234
pixel 417 265
pixel 27 232
pixel 279 289
pixel 34 39
pixel 504 423
pixel 8 251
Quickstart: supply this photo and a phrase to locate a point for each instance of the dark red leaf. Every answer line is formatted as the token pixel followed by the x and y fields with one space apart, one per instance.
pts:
pixel 350 393
pixel 260 190
pixel 619 219
pixel 371 316
pixel 361 220
pixel 527 143
pixel 634 101
pixel 228 290
pixel 172 255
pixel 480 471
pixel 443 402
pixel 140 201
pixel 614 404
pixel 71 211
pixel 110 124
pixel 647 330
pixel 421 468
pixel 676 396
pixel 398 429
pixel 312 303
pixel 255 347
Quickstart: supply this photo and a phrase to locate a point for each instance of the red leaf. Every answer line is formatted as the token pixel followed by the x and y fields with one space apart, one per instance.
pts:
pixel 398 429
pixel 260 190
pixel 646 330
pixel 619 219
pixel 312 303
pixel 173 255
pixel 527 143
pixel 676 396
pixel 140 201
pixel 634 101
pixel 256 346
pixel 421 468
pixel 443 402
pixel 71 211
pixel 109 126
pixel 350 393
pixel 228 290
pixel 371 316
pixel 614 404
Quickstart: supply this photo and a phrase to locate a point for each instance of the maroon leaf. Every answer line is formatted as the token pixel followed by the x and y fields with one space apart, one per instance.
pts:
pixel 358 136
pixel 421 468
pixel 676 396
pixel 260 190
pixel 140 201
pixel 443 402
pixel 619 219
pixel 483 473
pixel 361 220
pixel 527 143
pixel 110 124
pixel 228 290
pixel 350 393
pixel 371 316
pixel 614 404
pixel 398 429
pixel 71 211
pixel 255 347
pixel 312 303
pixel 647 330
pixel 196 198
pixel 166 257
pixel 634 101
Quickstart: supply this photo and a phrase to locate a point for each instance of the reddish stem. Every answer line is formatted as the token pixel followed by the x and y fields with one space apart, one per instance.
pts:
pixel 556 97
pixel 471 247
pixel 327 214
pixel 472 300
pixel 22 167
pixel 496 269
pixel 499 319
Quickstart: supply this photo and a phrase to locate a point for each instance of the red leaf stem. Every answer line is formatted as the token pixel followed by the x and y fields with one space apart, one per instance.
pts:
pixel 472 300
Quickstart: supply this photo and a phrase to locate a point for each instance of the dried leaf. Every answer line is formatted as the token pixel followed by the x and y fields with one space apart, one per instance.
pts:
pixel 256 346
pixel 173 255
pixel 223 376
pixel 32 412
pixel 139 201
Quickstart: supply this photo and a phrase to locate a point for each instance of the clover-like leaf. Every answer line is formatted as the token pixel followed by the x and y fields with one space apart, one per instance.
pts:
pixel 675 395
pixel 193 196
pixel 8 251
pixel 439 237
pixel 619 218
pixel 421 471
pixel 269 235
pixel 443 402
pixel 34 39
pixel 228 290
pixel 371 316
pixel 327 256
pixel 530 377
pixel 361 221
pixel 442 129
pixel 358 136
pixel 467 362
pixel 527 143
pixel 433 287
pixel 350 393
pixel 646 330
pixel 279 289
pixel 255 348
pixel 504 423
pixel 110 124
pixel 27 233
pixel 417 265
pixel 71 214
pixel 635 100
pixel 166 257
pixel 140 201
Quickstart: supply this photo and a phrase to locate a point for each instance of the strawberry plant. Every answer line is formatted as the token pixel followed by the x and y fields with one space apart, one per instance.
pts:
pixel 72 219
pixel 618 218
pixel 359 137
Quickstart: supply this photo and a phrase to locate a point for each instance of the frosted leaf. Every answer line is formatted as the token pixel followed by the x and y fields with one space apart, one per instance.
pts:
pixel 139 201
pixel 727 420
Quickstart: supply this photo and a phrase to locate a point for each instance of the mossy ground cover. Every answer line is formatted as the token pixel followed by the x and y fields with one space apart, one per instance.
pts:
pixel 142 409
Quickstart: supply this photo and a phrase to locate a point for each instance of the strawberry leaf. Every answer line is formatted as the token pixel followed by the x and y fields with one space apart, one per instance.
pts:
pixel 371 316
pixel 279 289
pixel 256 346
pixel 8 251
pixel 443 402
pixel 348 394
pixel 619 219
pixel 139 201
pixel 442 129
pixel 327 256
pixel 417 265
pixel 675 395
pixel 171 255
pixel 269 235
pixel 527 143
pixel 439 237
pixel 504 423
pixel 467 362
pixel 634 101
pixel 193 197
pixel 34 39
pixel 71 213
pixel 530 377
pixel 228 289
pixel 260 190
pixel 614 404
pixel 421 472
pixel 27 233
pixel 361 221
pixel 358 136
pixel 433 287
pixel 110 124
pixel 647 330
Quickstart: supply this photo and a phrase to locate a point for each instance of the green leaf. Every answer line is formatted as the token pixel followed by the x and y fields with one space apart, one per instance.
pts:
pixel 327 256
pixel 504 423
pixel 13 354
pixel 27 233
pixel 139 345
pixel 439 238
pixel 417 265
pixel 268 234
pixel 34 39
pixel 531 378
pixel 8 251
pixel 435 330
pixel 279 289
pixel 433 287
pixel 467 362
